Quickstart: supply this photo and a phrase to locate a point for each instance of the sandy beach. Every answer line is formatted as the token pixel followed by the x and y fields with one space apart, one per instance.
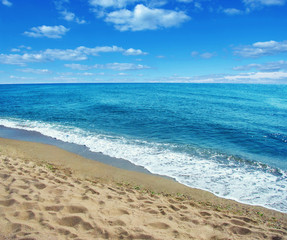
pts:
pixel 48 193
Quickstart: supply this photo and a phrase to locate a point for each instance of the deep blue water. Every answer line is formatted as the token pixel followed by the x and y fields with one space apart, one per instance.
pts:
pixel 228 139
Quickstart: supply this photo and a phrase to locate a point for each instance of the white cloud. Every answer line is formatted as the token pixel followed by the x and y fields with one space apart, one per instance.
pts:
pixel 260 49
pixel 232 11
pixel 125 66
pixel 205 55
pixel 262 76
pixel 185 1
pixel 134 52
pixel 35 71
pixel 77 54
pixel 271 66
pixel 17 59
pixel 251 77
pixel 7 3
pixel 65 54
pixel 67 15
pixel 194 53
pixel 20 78
pixel 111 3
pixel 71 17
pixel 15 50
pixel 111 66
pixel 20 48
pixel 259 3
pixel 144 18
pixel 77 73
pixel 65 79
pixel 77 66
pixel 25 47
pixel 47 31
pixel 156 3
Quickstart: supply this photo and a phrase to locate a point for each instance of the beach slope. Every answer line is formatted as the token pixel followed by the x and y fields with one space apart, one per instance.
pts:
pixel 48 193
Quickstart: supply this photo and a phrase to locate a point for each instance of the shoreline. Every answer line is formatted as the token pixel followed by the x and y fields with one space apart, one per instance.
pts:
pixel 33 136
pixel 37 137
pixel 181 199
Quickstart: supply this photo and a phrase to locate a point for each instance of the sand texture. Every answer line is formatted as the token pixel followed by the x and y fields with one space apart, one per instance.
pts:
pixel 43 199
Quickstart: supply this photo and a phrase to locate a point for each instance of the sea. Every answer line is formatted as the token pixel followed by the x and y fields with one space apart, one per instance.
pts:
pixel 228 139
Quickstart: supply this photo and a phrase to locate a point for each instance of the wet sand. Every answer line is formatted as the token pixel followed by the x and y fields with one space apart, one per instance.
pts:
pixel 49 193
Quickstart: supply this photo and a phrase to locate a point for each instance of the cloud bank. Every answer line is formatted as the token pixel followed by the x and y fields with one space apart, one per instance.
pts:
pixel 77 54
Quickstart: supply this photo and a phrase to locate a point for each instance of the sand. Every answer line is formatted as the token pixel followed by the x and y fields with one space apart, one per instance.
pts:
pixel 48 193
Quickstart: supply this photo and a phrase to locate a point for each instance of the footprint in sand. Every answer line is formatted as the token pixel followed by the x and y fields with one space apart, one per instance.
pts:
pixel 245 219
pixel 143 236
pixel 120 211
pixel 277 238
pixel 55 208
pixel 239 230
pixel 77 209
pixel 117 222
pixel 8 203
pixel 151 211
pixel 4 176
pixel 159 225
pixel 74 221
pixel 205 214
pixel 27 215
pixel 237 222
pixel 174 208
pixel 26 197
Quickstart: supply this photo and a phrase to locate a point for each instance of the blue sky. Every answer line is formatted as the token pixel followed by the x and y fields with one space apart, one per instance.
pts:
pixel 63 41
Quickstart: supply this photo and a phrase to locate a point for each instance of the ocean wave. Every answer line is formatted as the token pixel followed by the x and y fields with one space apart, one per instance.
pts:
pixel 232 177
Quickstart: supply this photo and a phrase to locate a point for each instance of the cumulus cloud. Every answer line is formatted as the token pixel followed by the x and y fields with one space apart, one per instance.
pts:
pixel 111 66
pixel 266 67
pixel 260 49
pixel 7 3
pixel 144 18
pixel 47 31
pixel 134 52
pixel 77 54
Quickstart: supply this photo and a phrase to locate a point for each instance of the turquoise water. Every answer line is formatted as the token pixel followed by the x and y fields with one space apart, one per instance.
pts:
pixel 227 139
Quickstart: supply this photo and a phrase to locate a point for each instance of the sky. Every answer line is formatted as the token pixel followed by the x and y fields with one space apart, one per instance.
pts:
pixel 107 41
